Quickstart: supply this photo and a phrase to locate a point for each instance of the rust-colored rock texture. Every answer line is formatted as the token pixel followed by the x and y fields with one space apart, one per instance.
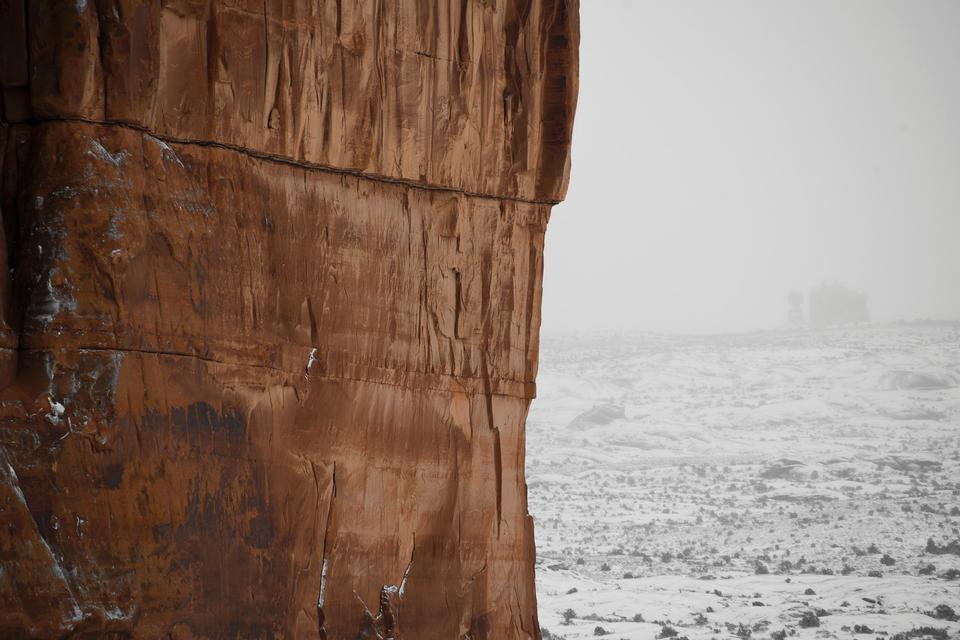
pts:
pixel 270 320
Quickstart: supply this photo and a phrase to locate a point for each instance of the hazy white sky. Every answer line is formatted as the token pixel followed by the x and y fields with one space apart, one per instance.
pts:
pixel 728 152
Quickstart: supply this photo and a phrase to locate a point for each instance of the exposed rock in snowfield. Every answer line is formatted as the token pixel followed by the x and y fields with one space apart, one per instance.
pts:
pixel 598 416
pixel 272 328
pixel 782 468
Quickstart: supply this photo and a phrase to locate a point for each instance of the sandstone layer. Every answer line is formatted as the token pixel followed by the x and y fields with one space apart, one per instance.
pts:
pixel 270 323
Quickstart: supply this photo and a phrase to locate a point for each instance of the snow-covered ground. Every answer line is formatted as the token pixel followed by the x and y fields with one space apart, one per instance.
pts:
pixel 747 485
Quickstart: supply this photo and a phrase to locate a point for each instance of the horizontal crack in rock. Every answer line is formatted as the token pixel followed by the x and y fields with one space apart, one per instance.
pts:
pixel 270 157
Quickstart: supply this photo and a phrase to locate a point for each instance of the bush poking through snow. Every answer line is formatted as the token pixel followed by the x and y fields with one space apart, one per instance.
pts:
pixel 809 619
pixel 943 612
pixel 952 547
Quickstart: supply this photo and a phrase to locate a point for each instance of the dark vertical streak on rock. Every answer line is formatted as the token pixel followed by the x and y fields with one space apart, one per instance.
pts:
pixel 457 303
pixel 498 469
pixel 266 67
pixel 533 281
pixel 314 334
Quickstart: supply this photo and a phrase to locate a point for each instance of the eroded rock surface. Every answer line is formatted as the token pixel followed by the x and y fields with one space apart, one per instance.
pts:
pixel 270 325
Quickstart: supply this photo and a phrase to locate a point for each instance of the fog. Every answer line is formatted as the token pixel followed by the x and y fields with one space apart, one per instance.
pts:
pixel 728 153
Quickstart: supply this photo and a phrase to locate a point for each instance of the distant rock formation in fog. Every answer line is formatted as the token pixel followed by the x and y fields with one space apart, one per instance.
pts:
pixel 836 304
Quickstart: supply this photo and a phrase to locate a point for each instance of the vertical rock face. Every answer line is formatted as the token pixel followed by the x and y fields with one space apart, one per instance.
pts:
pixel 269 327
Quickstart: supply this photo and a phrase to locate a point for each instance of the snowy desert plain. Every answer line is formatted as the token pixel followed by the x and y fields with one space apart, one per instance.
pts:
pixel 784 484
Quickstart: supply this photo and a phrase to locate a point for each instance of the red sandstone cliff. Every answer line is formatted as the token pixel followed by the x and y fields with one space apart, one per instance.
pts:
pixel 269 329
